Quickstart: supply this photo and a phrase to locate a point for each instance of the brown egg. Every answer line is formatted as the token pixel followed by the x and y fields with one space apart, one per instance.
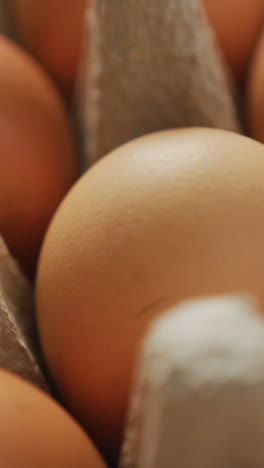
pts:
pixel 237 25
pixel 168 216
pixel 35 432
pixel 52 31
pixel 38 154
pixel 254 109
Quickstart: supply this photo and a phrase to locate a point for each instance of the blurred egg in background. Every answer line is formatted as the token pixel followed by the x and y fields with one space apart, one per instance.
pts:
pixel 254 102
pixel 237 25
pixel 36 432
pixel 52 30
pixel 38 153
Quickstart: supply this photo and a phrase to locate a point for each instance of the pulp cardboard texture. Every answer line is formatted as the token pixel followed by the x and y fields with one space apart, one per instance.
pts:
pixel 18 347
pixel 198 399
pixel 149 66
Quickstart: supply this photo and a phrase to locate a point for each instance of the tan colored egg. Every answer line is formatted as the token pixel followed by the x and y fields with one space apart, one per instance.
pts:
pixel 168 216
pixel 254 109
pixel 35 432
pixel 38 153
pixel 52 30
pixel 237 25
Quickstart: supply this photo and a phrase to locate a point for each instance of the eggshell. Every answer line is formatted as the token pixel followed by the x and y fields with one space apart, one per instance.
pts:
pixel 237 25
pixel 38 154
pixel 254 108
pixel 35 432
pixel 168 216
pixel 52 31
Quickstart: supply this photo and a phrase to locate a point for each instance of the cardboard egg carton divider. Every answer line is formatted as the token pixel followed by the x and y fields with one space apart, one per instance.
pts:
pixel 18 338
pixel 146 66
pixel 198 395
pixel 149 66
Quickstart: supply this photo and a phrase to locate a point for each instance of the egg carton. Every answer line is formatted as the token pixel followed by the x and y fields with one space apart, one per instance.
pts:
pixel 146 66
pixel 150 66
pixel 19 351
pixel 198 395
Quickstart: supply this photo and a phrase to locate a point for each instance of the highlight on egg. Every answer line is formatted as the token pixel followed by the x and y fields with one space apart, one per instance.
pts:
pixel 169 216
pixel 36 432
